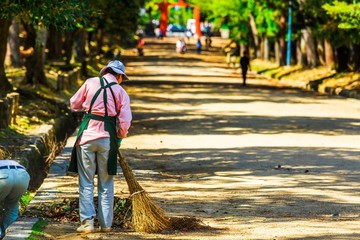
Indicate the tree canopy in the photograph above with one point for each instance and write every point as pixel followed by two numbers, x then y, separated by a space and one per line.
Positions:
pixel 119 18
pixel 347 15
pixel 258 24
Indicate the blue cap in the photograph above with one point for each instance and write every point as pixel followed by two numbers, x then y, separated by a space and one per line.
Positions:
pixel 117 67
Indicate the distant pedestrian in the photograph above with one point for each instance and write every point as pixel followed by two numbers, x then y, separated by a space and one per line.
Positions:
pixel 106 122
pixel 232 51
pixel 188 35
pixel 198 46
pixel 140 47
pixel 208 42
pixel 161 34
pixel 180 46
pixel 14 181
pixel 245 65
pixel 235 53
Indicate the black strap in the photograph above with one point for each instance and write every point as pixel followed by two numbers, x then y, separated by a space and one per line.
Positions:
pixel 112 93
pixel 103 87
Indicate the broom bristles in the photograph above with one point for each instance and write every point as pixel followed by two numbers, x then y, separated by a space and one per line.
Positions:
pixel 147 215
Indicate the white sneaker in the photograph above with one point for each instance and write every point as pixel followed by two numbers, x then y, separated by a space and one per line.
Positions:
pixel 87 226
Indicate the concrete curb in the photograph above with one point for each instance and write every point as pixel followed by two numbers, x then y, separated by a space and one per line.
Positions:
pixel 22 228
pixel 316 86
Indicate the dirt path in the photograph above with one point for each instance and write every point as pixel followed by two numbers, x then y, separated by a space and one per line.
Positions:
pixel 252 162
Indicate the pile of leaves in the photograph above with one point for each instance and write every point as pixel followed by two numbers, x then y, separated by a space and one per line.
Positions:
pixel 187 224
pixel 68 211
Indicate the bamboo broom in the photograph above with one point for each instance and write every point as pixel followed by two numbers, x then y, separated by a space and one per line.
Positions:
pixel 147 215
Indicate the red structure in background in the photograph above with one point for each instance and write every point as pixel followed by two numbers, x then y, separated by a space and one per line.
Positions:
pixel 164 17
pixel 197 20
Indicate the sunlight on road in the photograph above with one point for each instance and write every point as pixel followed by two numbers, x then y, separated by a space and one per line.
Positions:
pixel 256 160
pixel 209 141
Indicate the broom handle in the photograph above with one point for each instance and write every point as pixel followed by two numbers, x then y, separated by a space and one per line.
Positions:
pixel 133 185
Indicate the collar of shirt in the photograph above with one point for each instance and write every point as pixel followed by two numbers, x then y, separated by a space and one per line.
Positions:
pixel 110 78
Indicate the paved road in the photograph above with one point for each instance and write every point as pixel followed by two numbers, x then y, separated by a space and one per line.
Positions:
pixel 266 163
pixel 253 162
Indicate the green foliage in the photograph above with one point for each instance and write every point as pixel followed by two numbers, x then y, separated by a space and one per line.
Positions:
pixel 25 199
pixel 7 9
pixel 10 133
pixel 38 229
pixel 264 18
pixel 347 15
pixel 63 14
pixel 117 17
pixel 179 16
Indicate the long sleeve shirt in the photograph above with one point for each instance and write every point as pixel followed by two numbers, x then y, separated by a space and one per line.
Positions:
pixel 81 102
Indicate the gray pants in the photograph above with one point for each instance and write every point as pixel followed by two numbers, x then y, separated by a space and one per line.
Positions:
pixel 93 156
pixel 13 184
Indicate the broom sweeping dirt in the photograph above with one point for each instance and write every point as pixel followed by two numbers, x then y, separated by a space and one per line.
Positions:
pixel 147 215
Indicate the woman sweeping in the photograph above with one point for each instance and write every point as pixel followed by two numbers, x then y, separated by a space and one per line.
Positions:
pixel 106 121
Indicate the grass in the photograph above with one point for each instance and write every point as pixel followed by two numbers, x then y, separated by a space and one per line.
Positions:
pixel 321 76
pixel 25 200
pixel 38 230
pixel 12 132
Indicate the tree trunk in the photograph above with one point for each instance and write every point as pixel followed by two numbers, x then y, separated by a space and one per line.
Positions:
pixel 321 53
pixel 29 59
pixel 35 63
pixel 81 51
pixel 355 57
pixel 40 55
pixel 14 43
pixel 4 31
pixel 266 49
pixel 261 48
pixel 4 112
pixel 7 54
pixel 282 46
pixel 277 52
pixel 311 55
pixel 243 48
pixel 54 44
pixel 281 39
pixel 329 55
pixel 342 54
pixel 301 51
pixel 100 40
pixel 68 45
pixel 255 36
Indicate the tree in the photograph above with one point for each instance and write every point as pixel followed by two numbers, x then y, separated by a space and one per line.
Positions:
pixel 252 22
pixel 14 43
pixel 36 16
pixel 4 82
pixel 347 37
pixel 118 19
pixel 347 15
pixel 64 15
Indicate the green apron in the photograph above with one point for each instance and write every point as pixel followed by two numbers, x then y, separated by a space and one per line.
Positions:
pixel 110 126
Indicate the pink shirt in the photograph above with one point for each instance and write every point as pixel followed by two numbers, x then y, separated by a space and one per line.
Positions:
pixel 82 100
